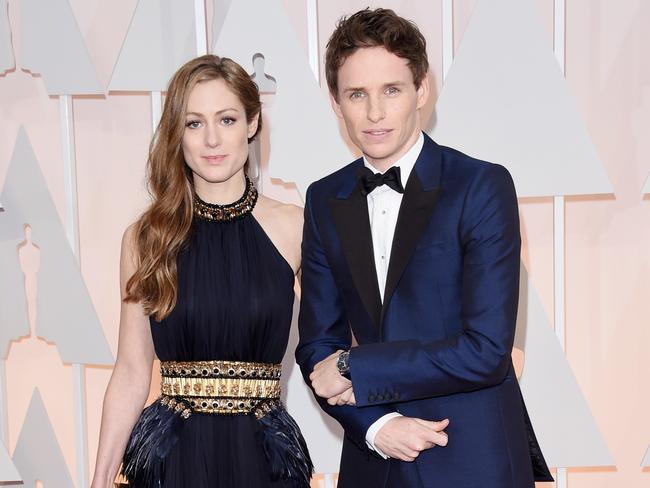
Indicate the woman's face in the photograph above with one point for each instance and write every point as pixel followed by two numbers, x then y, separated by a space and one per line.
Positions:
pixel 215 141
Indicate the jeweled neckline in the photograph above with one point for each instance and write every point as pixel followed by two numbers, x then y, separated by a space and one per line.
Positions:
pixel 231 211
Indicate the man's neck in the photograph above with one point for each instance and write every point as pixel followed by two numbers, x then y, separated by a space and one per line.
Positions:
pixel 382 165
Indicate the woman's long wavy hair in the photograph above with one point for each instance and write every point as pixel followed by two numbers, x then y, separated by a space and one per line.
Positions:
pixel 164 228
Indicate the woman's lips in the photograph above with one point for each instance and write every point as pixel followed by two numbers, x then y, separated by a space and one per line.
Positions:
pixel 215 159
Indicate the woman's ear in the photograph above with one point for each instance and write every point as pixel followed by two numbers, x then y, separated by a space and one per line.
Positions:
pixel 252 125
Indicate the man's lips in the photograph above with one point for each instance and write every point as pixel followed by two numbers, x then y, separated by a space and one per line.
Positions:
pixel 377 132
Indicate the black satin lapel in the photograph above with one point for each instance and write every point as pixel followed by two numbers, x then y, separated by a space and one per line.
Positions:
pixel 413 217
pixel 353 226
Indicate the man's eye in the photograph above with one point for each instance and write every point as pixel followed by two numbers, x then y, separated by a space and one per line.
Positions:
pixel 193 124
pixel 392 90
pixel 356 95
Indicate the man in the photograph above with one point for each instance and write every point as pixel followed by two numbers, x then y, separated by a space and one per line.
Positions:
pixel 413 250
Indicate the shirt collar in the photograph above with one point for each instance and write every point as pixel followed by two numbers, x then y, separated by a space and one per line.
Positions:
pixel 405 163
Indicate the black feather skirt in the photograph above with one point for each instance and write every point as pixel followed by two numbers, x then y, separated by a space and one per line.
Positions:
pixel 155 438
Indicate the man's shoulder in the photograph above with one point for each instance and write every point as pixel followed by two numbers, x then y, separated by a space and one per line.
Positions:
pixel 457 164
pixel 331 184
pixel 461 161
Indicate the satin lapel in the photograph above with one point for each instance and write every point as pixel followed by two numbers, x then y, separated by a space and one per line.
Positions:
pixel 352 223
pixel 414 213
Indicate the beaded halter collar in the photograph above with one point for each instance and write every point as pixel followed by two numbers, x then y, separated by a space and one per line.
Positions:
pixel 231 211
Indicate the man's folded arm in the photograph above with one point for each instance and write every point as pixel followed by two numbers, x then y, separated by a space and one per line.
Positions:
pixel 324 328
pixel 479 356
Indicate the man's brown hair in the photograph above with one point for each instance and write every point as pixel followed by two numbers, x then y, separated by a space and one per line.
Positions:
pixel 375 28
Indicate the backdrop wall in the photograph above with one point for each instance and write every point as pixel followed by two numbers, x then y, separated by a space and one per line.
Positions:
pixel 607 236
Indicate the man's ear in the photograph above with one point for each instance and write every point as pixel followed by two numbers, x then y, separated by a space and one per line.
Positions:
pixel 335 106
pixel 423 92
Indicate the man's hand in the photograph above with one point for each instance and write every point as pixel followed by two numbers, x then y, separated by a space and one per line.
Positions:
pixel 405 438
pixel 345 398
pixel 326 380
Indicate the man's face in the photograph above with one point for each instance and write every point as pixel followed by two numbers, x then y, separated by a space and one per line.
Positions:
pixel 380 104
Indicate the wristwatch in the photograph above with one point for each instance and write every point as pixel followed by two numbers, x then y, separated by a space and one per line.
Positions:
pixel 342 364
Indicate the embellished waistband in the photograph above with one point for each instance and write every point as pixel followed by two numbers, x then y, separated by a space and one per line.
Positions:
pixel 221 387
pixel 216 387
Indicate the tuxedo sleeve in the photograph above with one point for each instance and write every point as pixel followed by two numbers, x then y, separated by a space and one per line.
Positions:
pixel 324 327
pixel 480 355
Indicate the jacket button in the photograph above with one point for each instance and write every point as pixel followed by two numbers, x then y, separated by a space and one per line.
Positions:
pixel 371 398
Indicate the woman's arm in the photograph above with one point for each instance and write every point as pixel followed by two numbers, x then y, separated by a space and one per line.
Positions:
pixel 128 388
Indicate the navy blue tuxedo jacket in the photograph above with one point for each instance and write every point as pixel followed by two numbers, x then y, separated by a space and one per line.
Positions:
pixel 440 344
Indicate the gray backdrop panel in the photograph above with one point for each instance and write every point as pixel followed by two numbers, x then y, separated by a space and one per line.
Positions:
pixel 37 455
pixel 161 37
pixel 65 313
pixel 505 100
pixel 563 422
pixel 8 471
pixel 52 46
pixel 14 322
pixel 6 49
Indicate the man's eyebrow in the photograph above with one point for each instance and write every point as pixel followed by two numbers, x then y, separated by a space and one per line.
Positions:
pixel 385 85
pixel 353 89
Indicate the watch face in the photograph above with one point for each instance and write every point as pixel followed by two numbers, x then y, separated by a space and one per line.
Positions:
pixel 342 362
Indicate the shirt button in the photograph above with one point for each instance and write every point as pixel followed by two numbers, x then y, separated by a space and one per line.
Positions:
pixel 383 212
pixel 383 257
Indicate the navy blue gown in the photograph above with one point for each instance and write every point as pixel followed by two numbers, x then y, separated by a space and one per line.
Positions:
pixel 235 301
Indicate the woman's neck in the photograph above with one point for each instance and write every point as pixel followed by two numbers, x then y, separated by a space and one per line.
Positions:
pixel 221 193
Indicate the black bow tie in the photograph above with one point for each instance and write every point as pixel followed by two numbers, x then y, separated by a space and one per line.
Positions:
pixel 368 180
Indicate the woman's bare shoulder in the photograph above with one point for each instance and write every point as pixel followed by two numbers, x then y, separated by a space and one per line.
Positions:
pixel 129 241
pixel 283 224
pixel 276 213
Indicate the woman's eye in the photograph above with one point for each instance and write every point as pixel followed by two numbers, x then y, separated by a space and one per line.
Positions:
pixel 228 121
pixel 193 124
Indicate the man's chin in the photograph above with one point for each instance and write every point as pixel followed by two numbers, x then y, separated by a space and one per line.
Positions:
pixel 372 154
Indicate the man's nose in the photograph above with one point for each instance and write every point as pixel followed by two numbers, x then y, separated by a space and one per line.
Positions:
pixel 375 110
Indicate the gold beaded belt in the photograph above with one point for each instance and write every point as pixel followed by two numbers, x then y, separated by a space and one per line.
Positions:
pixel 221 387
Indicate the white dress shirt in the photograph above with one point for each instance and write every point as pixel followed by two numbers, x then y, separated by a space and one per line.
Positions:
pixel 383 208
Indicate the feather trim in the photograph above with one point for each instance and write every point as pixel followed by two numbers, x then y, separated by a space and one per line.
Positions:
pixel 284 445
pixel 154 435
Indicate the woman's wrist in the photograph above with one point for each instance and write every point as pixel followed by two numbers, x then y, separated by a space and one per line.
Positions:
pixel 102 479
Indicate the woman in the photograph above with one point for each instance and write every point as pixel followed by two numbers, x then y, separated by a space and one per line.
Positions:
pixel 207 277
